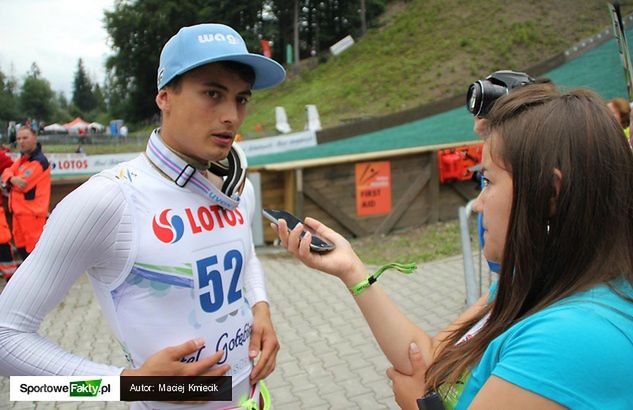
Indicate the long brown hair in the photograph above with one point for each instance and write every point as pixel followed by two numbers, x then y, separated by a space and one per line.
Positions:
pixel 558 242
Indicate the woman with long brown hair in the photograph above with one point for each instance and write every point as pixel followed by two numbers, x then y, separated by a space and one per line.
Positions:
pixel 556 330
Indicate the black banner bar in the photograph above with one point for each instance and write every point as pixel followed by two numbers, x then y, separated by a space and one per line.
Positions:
pixel 176 388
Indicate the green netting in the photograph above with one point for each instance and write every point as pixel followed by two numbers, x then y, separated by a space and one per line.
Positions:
pixel 451 126
pixel 599 69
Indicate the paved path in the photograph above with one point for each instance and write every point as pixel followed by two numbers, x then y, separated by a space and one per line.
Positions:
pixel 328 358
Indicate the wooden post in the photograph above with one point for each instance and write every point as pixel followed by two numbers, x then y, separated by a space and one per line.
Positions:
pixel 434 189
pixel 289 191
pixel 295 37
pixel 299 193
pixel 363 18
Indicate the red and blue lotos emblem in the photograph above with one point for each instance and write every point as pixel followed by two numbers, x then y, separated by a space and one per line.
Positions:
pixel 168 231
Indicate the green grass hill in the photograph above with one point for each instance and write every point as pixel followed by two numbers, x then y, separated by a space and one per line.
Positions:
pixel 424 51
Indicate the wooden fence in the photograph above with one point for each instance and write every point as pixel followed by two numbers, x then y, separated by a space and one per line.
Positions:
pixel 328 193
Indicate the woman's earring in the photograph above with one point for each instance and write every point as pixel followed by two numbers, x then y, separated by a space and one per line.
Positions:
pixel 547 227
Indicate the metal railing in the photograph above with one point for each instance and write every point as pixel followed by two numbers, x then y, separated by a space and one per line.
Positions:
pixel 89 139
pixel 473 280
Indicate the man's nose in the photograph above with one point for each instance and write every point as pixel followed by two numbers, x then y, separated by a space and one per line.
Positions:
pixel 229 114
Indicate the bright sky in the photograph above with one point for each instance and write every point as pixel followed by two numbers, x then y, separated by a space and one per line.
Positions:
pixel 55 34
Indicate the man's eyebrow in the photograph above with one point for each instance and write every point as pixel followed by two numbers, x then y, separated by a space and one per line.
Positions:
pixel 225 88
pixel 217 85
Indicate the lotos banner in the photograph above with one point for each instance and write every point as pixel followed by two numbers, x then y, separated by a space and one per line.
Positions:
pixel 76 165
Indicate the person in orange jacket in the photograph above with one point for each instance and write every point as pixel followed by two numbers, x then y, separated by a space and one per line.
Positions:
pixel 29 183
pixel 7 263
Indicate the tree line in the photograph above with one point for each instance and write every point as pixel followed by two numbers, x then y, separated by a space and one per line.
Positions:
pixel 294 30
pixel 34 98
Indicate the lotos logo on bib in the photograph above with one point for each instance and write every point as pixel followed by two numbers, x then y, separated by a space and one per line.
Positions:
pixel 168 231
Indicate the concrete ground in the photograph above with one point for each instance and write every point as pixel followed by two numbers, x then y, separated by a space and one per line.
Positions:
pixel 328 357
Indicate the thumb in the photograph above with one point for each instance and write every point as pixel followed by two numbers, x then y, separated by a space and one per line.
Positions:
pixel 392 373
pixel 417 361
pixel 181 350
pixel 256 342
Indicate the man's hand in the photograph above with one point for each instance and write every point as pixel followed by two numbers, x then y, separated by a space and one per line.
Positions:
pixel 407 389
pixel 263 343
pixel 167 362
pixel 18 181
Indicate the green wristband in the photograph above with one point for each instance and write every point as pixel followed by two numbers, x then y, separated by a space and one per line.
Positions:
pixel 406 268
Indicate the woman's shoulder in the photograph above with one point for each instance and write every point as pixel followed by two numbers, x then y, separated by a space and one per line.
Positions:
pixel 610 302
pixel 593 318
pixel 570 351
pixel 603 307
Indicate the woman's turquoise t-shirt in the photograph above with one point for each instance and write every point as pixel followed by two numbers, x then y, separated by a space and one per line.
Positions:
pixel 577 352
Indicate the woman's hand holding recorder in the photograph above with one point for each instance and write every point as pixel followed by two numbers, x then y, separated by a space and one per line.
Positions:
pixel 342 261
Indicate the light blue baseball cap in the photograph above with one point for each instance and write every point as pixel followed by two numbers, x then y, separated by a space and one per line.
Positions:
pixel 202 44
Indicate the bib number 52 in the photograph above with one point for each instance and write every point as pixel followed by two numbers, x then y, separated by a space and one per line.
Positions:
pixel 210 276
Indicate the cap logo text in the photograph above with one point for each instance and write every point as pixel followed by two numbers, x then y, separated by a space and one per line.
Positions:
pixel 161 72
pixel 207 38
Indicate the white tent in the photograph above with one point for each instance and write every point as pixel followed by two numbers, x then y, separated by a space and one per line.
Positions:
pixel 55 128
pixel 96 126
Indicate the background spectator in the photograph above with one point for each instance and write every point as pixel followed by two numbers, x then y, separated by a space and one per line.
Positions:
pixel 29 183
pixel 7 263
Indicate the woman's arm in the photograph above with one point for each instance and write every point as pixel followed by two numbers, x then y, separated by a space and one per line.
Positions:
pixel 395 332
pixel 391 328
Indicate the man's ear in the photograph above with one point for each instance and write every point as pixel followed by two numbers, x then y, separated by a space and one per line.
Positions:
pixel 481 127
pixel 163 101
pixel 557 180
